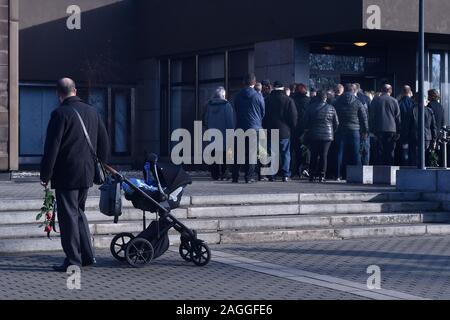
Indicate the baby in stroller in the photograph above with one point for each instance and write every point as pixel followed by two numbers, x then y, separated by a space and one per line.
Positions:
pixel 160 192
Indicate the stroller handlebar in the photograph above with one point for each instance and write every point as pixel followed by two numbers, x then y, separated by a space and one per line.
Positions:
pixel 112 171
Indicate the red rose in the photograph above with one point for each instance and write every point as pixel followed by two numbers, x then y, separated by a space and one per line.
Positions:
pixel 49 215
pixel 48 229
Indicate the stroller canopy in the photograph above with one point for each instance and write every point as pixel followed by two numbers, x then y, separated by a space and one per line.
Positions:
pixel 173 177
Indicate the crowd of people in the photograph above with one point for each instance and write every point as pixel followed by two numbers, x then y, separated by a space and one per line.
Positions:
pixel 322 132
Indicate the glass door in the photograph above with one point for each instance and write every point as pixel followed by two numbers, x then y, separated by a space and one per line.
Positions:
pixel 438 77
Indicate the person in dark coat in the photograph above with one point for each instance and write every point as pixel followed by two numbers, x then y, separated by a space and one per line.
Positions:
pixel 321 123
pixel 68 164
pixel 353 125
pixel 438 109
pixel 333 152
pixel 406 104
pixel 281 114
pixel 385 123
pixel 266 88
pixel 365 141
pixel 412 131
pixel 219 115
pixel 249 107
pixel 301 159
pixel 439 114
pixel 361 95
pixel 338 91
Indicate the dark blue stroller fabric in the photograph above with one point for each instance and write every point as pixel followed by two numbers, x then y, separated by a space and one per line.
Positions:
pixel 173 180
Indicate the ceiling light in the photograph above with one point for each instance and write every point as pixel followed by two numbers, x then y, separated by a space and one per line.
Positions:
pixel 360 44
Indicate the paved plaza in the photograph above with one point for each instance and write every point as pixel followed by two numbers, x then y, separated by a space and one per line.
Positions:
pixel 411 268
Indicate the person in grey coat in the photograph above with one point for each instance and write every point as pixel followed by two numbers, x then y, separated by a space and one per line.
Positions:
pixel 219 115
pixel 385 122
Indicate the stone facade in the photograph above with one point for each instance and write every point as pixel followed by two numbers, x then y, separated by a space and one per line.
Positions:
pixel 4 84
pixel 8 85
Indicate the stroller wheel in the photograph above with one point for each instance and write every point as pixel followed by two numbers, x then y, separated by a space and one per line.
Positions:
pixel 119 244
pixel 139 252
pixel 200 254
pixel 185 251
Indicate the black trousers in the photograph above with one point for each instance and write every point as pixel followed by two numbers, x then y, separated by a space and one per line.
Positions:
pixel 300 159
pixel 250 169
pixel 414 153
pixel 386 148
pixel 219 171
pixel 319 158
pixel 74 227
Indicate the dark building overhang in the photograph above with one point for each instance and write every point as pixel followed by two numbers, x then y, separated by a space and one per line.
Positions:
pixel 102 51
pixel 170 27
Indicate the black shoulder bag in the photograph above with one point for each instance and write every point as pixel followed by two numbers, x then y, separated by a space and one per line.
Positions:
pixel 100 174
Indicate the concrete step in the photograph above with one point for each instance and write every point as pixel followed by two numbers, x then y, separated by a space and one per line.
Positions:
pixel 128 214
pixel 344 233
pixel 42 244
pixel 132 214
pixel 33 230
pixel 311 208
pixel 302 197
pixel 299 221
pixel 243 223
pixel 23 245
pixel 8 205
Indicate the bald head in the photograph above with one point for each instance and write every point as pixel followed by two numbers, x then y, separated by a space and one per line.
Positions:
pixel 387 89
pixel 66 88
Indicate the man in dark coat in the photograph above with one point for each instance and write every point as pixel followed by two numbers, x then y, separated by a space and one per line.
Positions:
pixel 338 91
pixel 439 114
pixel 385 123
pixel 301 159
pixel 406 104
pixel 281 114
pixel 68 164
pixel 438 109
pixel 249 108
pixel 266 88
pixel 412 131
pixel 365 141
pixel 353 125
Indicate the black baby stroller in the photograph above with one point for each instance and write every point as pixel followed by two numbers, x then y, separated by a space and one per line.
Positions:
pixel 153 241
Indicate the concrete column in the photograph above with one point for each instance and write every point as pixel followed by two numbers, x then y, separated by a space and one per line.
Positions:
pixel 148 107
pixel 284 60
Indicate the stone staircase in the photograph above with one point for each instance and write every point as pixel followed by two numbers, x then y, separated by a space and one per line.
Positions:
pixel 228 219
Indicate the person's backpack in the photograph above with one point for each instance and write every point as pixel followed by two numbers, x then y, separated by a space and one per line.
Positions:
pixel 111 198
